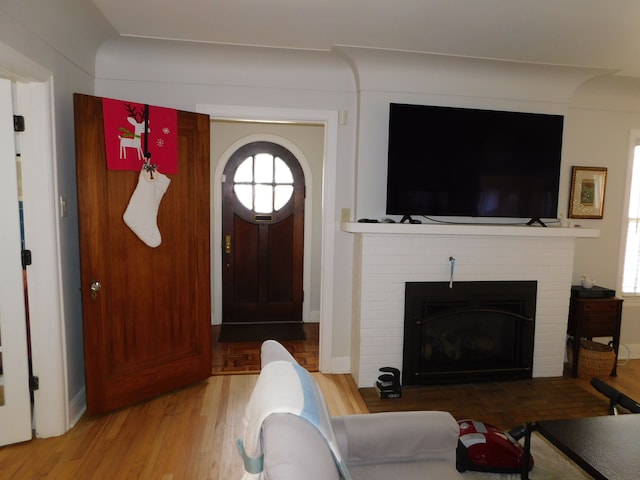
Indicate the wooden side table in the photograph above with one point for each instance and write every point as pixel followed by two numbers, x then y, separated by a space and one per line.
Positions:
pixel 594 317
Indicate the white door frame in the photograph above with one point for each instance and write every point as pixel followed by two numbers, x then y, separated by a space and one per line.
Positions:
pixel 329 118
pixel 39 182
pixel 15 410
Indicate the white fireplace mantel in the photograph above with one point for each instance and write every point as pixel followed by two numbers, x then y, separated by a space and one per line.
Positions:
pixel 387 255
pixel 469 229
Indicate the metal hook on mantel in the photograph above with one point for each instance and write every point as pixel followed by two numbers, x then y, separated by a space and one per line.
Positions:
pixel 452 261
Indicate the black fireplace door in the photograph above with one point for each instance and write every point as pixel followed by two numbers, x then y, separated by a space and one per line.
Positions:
pixel 477 338
pixel 465 344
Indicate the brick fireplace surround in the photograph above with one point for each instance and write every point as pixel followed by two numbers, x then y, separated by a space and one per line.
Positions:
pixel 388 255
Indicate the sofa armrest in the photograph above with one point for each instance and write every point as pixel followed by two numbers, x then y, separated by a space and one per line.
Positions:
pixel 397 437
pixel 272 351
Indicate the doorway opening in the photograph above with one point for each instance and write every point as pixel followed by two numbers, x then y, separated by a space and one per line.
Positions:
pixel 263 193
pixel 320 226
pixel 270 253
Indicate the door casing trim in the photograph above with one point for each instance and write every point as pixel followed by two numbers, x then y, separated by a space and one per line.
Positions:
pixel 53 415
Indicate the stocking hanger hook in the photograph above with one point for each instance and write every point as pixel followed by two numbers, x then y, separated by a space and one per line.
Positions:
pixel 148 166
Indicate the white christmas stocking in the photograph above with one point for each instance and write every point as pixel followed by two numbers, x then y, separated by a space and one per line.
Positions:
pixel 142 212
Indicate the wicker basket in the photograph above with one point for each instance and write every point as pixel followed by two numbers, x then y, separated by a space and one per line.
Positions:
pixel 595 359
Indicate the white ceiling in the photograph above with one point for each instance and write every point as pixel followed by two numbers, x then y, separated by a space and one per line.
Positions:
pixel 595 33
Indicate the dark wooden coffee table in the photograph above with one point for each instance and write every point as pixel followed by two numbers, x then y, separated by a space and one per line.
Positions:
pixel 607 448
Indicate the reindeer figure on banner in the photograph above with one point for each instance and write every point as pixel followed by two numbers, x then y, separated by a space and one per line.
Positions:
pixel 130 139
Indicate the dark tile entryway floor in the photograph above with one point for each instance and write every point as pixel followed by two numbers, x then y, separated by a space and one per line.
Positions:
pixel 244 357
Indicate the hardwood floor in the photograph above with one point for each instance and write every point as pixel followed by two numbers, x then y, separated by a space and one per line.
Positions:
pixel 189 434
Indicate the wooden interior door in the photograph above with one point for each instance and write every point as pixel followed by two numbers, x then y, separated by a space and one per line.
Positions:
pixel 263 248
pixel 148 329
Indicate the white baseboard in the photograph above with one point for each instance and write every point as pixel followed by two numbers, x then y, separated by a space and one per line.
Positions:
pixel 340 365
pixel 77 407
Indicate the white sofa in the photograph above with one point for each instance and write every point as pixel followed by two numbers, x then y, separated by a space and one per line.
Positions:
pixel 400 445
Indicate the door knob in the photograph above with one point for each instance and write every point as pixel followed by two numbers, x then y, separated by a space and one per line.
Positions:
pixel 95 288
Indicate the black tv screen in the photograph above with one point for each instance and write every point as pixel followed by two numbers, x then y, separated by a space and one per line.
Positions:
pixel 446 161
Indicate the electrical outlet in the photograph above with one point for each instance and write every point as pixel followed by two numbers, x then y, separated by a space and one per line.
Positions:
pixel 345 215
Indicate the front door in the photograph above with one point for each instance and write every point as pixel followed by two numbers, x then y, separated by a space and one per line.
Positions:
pixel 262 232
pixel 146 311
pixel 15 404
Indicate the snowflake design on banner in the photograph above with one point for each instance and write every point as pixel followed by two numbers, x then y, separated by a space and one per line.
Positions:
pixel 160 141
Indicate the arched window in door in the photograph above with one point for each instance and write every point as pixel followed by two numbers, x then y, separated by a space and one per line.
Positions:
pixel 263 183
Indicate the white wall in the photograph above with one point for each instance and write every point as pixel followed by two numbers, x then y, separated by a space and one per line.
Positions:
pixel 61 39
pixel 185 76
pixel 600 111
pixel 601 116
pixel 385 77
pixel 362 82
pixel 63 35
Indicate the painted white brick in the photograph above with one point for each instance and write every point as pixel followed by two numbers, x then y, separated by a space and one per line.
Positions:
pixel 388 261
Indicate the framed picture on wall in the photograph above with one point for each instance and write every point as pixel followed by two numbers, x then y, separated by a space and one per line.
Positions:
pixel 587 192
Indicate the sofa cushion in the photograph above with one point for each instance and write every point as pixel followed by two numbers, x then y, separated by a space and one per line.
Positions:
pixel 295 450
pixel 397 437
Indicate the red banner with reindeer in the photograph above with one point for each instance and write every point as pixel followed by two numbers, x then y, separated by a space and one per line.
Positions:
pixel 124 134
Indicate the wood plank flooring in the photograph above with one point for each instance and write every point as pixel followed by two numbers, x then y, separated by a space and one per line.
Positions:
pixel 188 434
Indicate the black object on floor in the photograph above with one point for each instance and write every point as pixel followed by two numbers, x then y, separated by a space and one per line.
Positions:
pixel 615 397
pixel 259 332
pixel 388 384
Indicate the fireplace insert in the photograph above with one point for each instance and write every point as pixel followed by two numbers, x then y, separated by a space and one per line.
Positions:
pixel 468 331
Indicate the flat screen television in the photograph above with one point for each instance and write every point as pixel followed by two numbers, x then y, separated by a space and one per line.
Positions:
pixel 460 162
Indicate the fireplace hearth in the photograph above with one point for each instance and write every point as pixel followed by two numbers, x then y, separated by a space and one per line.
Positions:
pixel 468 331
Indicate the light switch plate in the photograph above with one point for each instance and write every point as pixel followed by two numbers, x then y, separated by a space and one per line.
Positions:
pixel 63 207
